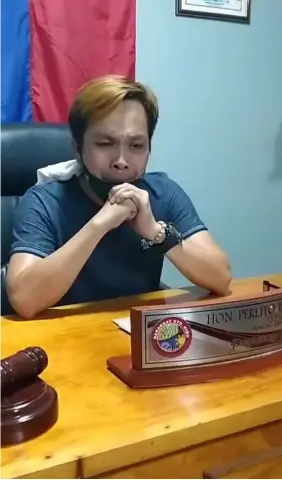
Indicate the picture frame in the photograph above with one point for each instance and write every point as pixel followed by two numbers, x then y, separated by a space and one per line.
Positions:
pixel 229 10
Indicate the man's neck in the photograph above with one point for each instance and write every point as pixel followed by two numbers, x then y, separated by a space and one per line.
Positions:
pixel 88 191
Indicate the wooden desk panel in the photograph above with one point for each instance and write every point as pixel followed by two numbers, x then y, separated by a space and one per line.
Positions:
pixel 103 425
pixel 215 458
pixel 268 469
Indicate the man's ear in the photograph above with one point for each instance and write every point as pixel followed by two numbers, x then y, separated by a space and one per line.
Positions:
pixel 77 153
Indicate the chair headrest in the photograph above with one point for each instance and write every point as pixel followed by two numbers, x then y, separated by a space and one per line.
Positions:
pixel 27 147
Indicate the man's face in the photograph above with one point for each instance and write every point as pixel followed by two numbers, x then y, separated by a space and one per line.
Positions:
pixel 117 148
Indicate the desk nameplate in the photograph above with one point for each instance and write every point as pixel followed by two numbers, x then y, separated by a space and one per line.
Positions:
pixel 198 335
pixel 203 340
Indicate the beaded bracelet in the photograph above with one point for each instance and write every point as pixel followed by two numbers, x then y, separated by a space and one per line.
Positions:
pixel 159 238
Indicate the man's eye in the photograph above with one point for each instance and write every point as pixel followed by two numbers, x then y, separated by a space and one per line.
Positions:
pixel 137 146
pixel 104 144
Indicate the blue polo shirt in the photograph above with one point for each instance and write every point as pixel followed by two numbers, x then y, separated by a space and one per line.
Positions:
pixel 50 214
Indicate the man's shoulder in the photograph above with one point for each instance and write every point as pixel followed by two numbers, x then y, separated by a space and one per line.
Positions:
pixel 56 187
pixel 160 183
pixel 49 200
pixel 52 190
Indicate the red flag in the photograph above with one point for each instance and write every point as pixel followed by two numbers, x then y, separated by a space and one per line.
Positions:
pixel 73 41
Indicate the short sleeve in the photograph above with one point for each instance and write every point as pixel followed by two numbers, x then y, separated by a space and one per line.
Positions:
pixel 33 231
pixel 181 211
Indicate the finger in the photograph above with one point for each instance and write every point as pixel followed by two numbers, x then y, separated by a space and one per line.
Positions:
pixel 115 190
pixel 133 209
pixel 131 204
pixel 128 195
pixel 119 187
pixel 132 215
pixel 113 198
pixel 123 186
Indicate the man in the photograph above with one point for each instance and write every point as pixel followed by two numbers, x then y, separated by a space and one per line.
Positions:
pixel 105 234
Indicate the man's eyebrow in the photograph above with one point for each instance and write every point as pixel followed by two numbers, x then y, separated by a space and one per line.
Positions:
pixel 137 136
pixel 103 135
pixel 108 136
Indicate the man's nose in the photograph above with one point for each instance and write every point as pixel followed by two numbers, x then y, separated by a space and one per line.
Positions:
pixel 120 163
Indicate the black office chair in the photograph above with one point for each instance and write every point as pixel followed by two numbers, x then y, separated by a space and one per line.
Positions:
pixel 24 149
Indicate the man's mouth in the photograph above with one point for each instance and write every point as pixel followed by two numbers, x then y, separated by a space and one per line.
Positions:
pixel 120 178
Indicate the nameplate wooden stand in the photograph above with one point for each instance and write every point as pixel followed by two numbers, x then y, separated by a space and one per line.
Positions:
pixel 204 340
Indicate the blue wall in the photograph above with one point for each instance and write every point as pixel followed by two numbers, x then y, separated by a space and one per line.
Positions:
pixel 220 133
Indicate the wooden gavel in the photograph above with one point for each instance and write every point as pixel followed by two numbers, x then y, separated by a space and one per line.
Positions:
pixel 29 406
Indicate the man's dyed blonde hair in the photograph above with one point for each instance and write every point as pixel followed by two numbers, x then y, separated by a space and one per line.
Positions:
pixel 99 97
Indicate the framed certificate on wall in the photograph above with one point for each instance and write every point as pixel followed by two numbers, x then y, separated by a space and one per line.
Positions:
pixel 232 10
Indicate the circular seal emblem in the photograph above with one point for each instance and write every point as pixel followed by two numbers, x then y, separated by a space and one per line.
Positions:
pixel 171 337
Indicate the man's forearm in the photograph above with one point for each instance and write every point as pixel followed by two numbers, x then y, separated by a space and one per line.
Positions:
pixel 44 282
pixel 203 267
pixel 213 274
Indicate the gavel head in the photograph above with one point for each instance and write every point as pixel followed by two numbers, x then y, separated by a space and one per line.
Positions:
pixel 23 365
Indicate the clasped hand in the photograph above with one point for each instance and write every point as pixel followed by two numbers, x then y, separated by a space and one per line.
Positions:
pixel 144 222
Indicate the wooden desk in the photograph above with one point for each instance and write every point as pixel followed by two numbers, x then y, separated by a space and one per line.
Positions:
pixel 107 430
